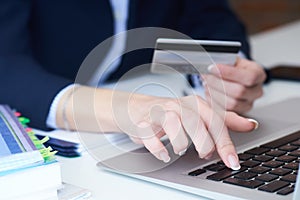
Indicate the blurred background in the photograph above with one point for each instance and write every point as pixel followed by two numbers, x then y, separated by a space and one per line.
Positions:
pixel 262 15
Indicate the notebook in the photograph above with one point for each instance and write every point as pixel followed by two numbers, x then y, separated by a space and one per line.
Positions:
pixel 16 148
pixel 269 159
pixel 28 170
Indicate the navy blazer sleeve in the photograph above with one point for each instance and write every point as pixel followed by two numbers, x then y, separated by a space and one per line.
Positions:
pixel 24 84
pixel 41 41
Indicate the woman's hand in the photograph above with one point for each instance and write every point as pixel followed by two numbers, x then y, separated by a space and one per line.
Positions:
pixel 146 119
pixel 183 118
pixel 239 85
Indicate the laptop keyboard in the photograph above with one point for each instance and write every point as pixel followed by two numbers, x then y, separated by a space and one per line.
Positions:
pixel 271 167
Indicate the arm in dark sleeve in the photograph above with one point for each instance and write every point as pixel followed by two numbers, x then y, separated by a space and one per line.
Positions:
pixel 24 84
pixel 213 19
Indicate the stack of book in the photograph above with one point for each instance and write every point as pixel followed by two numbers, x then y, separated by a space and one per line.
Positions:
pixel 28 170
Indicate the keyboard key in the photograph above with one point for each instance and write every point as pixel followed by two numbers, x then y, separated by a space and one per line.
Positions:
pixel 197 172
pixel 280 171
pixel 292 165
pixel 244 183
pixel 273 186
pixel 245 156
pixel 288 148
pixel 286 158
pixel 296 143
pixel 250 163
pixel 295 153
pixel 215 167
pixel 275 153
pixel 257 151
pixel 245 175
pixel 272 167
pixel 286 191
pixel 221 175
pixel 289 178
pixel 263 158
pixel 266 177
pixel 282 141
pixel 221 162
pixel 259 169
pixel 273 164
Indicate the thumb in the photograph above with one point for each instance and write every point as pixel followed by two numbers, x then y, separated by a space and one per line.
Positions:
pixel 237 123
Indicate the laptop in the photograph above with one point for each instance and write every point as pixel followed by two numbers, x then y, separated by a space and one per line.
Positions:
pixel 269 158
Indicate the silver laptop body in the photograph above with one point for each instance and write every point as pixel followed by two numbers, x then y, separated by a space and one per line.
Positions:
pixel 276 121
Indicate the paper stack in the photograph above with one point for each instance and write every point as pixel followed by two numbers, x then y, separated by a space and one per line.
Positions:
pixel 28 170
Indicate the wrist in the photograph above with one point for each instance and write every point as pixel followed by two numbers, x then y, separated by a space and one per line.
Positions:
pixel 119 110
pixel 87 109
pixel 51 118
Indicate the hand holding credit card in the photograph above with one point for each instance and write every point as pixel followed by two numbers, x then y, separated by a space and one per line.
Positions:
pixel 190 56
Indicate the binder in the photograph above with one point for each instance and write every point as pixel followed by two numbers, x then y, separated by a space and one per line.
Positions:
pixel 28 170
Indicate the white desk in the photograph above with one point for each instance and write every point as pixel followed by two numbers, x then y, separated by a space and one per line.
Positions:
pixel 278 46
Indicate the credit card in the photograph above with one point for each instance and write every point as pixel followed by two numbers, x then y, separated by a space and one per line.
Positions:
pixel 190 56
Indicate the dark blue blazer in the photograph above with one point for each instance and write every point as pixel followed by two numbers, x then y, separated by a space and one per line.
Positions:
pixel 43 42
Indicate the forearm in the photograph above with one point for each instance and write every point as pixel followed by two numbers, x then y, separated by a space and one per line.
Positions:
pixel 90 109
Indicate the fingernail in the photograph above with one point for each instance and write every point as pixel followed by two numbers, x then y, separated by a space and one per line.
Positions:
pixel 234 163
pixel 210 67
pixel 181 153
pixel 164 157
pixel 254 122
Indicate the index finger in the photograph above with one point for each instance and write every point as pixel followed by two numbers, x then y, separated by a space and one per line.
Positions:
pixel 223 142
pixel 217 130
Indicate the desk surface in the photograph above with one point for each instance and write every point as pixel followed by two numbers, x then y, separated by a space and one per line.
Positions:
pixel 277 46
